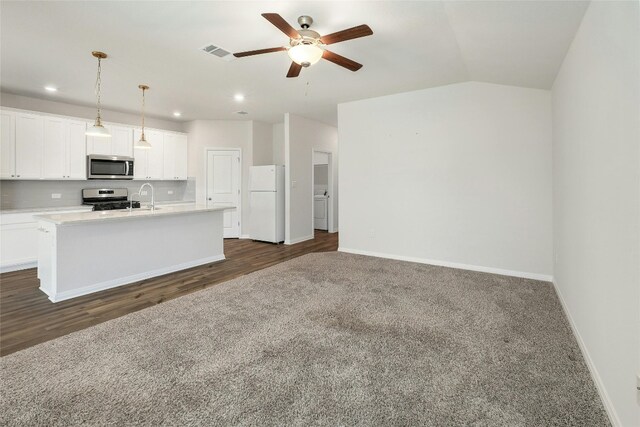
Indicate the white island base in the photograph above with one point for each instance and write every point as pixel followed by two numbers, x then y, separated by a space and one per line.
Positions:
pixel 82 253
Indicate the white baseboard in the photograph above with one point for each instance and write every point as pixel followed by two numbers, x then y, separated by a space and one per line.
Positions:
pixel 502 272
pixel 595 375
pixel 19 266
pixel 298 240
pixel 244 236
pixel 129 279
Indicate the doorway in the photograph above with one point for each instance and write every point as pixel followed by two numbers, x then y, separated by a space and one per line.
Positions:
pixel 322 191
pixel 223 170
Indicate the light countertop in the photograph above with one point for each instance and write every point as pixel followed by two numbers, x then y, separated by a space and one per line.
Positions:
pixel 124 214
pixel 34 210
pixel 83 207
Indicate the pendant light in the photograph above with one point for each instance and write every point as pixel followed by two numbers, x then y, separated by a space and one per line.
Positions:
pixel 97 129
pixel 143 142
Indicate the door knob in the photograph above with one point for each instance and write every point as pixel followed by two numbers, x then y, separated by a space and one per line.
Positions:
pixel 209 198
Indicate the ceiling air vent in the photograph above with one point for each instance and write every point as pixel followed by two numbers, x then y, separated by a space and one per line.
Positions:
pixel 217 51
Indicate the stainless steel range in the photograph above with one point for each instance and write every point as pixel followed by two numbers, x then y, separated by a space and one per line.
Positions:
pixel 104 199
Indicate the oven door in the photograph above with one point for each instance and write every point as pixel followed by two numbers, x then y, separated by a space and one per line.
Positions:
pixel 109 167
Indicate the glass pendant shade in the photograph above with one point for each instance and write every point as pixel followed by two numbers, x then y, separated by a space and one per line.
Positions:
pixel 305 54
pixel 142 143
pixel 98 130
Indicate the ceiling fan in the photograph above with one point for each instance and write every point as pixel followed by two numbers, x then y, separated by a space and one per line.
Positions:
pixel 307 46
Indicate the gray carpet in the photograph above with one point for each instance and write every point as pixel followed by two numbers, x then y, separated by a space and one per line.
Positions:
pixel 325 339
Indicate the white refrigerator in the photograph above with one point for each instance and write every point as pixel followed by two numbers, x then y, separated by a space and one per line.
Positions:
pixel 266 203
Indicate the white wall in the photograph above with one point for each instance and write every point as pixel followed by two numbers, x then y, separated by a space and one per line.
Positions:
pixel 262 139
pixel 278 144
pixel 457 175
pixel 220 134
pixel 82 111
pixel 596 173
pixel 302 136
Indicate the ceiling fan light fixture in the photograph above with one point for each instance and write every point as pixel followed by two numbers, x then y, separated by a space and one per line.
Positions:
pixel 305 54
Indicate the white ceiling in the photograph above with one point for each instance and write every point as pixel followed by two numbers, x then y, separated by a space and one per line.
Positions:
pixel 415 45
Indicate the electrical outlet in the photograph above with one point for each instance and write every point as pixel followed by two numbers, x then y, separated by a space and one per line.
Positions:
pixel 294 184
pixel 56 195
pixel 143 193
pixel 372 232
pixel 170 192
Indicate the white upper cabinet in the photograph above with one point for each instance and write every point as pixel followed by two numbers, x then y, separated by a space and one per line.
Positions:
pixel 64 149
pixel 181 157
pixel 7 145
pixel 54 148
pixel 29 145
pixel 156 154
pixel 44 146
pixel 98 145
pixel 149 163
pixel 175 156
pixel 120 143
pixel 76 154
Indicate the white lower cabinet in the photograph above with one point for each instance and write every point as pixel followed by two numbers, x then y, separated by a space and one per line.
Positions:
pixel 19 239
pixel 18 242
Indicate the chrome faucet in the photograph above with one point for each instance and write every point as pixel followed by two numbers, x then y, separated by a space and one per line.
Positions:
pixel 153 205
pixel 131 201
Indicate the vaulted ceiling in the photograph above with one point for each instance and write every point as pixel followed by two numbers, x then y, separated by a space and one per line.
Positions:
pixel 415 45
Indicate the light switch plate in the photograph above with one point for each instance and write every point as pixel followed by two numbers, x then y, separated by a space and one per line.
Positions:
pixel 170 192
pixel 56 195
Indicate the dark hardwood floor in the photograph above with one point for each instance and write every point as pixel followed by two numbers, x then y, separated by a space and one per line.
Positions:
pixel 28 318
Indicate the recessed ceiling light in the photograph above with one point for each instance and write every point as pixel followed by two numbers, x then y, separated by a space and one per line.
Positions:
pixel 238 97
pixel 177 113
pixel 51 88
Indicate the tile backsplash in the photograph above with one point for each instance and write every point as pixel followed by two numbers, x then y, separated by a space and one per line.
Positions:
pixel 40 194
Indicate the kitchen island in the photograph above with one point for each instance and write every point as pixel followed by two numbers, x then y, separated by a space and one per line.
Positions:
pixel 86 252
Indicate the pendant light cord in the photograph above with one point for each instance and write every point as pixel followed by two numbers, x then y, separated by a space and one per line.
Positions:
pixel 143 113
pixel 98 90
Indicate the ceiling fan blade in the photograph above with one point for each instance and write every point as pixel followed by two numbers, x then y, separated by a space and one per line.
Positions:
pixel 282 25
pixel 341 61
pixel 258 52
pixel 294 70
pixel 348 34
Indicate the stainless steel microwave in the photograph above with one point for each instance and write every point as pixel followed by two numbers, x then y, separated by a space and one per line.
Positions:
pixel 109 167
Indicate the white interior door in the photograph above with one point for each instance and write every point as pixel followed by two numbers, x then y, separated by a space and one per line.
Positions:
pixel 223 186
